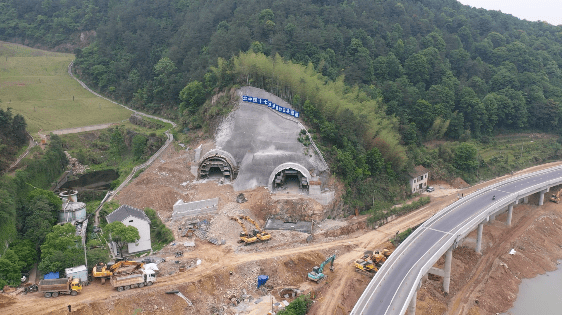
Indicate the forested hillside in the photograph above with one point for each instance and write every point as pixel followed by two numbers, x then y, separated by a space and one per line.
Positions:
pixel 477 70
pixel 422 70
pixel 12 136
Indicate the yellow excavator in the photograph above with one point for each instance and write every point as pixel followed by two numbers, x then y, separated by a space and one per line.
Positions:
pixel 245 237
pixel 260 234
pixel 556 197
pixel 104 271
pixel 370 263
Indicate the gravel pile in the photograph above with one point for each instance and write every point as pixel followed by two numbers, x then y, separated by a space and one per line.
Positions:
pixel 224 228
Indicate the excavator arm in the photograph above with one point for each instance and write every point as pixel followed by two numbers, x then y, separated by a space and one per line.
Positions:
pixel 327 261
pixel 241 224
pixel 261 234
pixel 245 237
pixel 245 217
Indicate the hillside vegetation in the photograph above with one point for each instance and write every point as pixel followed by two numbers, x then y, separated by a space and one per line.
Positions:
pixel 375 79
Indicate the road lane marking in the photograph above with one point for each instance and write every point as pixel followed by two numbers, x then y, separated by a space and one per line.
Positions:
pixel 439 231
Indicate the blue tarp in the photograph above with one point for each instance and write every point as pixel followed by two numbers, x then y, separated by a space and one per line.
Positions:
pixel 51 275
pixel 262 279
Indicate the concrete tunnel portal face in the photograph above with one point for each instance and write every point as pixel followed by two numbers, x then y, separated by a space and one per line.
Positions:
pixel 289 176
pixel 217 164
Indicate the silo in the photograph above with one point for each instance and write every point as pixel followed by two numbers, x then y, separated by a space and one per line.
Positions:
pixel 72 210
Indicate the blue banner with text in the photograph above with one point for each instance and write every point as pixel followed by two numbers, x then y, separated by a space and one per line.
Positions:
pixel 265 101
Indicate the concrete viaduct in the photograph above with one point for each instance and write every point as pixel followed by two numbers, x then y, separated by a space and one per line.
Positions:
pixel 394 288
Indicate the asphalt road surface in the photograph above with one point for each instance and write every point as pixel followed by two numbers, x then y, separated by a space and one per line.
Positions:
pixel 388 291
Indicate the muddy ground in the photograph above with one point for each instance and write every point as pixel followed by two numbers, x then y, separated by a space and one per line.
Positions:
pixel 480 284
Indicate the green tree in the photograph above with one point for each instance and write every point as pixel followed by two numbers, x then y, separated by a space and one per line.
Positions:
pixel 97 255
pixel 117 144
pixel 159 233
pixel 121 234
pixel 139 145
pixel 26 252
pixel 10 272
pixel 61 249
pixel 41 218
pixel 7 206
pixel 466 157
pixel 417 68
pixel 298 307
pixel 192 96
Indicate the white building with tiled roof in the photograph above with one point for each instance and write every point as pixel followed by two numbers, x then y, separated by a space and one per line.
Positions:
pixel 418 179
pixel 131 216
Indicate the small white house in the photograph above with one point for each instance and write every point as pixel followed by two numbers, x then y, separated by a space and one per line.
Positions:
pixel 131 216
pixel 418 179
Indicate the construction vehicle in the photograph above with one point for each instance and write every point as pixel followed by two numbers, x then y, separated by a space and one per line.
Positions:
pixel 104 271
pixel 260 234
pixel 556 197
pixel 245 237
pixel 54 287
pixel 137 279
pixel 366 267
pixel 370 263
pixel 317 272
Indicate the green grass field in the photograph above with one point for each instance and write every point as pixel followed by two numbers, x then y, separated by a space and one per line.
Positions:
pixel 35 84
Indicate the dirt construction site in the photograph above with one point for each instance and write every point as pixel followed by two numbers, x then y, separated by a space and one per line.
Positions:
pixel 221 277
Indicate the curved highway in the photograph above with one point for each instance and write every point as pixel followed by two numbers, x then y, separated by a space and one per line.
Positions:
pixel 392 288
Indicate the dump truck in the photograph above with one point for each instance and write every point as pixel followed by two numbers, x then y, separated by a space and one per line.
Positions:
pixel 137 279
pixel 54 287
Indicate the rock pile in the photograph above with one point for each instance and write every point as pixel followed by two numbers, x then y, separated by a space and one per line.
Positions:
pixel 74 165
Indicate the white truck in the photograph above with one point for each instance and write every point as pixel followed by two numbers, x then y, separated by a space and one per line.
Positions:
pixel 134 280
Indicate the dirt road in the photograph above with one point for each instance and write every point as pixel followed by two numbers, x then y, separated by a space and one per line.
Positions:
pixel 210 284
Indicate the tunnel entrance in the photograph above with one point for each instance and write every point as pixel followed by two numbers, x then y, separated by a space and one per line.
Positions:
pixel 217 164
pixel 290 180
pixel 216 172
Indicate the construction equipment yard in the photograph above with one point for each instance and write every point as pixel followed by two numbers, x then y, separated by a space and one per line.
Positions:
pixel 215 274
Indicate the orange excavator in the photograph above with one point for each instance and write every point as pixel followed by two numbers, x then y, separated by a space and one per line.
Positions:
pixel 245 237
pixel 104 271
pixel 370 263
pixel 260 234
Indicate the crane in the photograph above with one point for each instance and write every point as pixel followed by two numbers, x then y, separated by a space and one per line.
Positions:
pixel 317 272
pixel 245 237
pixel 260 234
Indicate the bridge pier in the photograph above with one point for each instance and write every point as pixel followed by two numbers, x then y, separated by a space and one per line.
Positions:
pixel 447 269
pixel 541 196
pixel 509 214
pixel 479 238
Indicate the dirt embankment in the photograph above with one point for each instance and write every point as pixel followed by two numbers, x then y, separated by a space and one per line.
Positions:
pixel 488 284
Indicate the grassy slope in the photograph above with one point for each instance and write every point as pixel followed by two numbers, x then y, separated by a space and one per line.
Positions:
pixel 35 84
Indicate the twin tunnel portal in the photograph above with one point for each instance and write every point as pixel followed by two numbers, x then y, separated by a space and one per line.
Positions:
pixel 220 164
